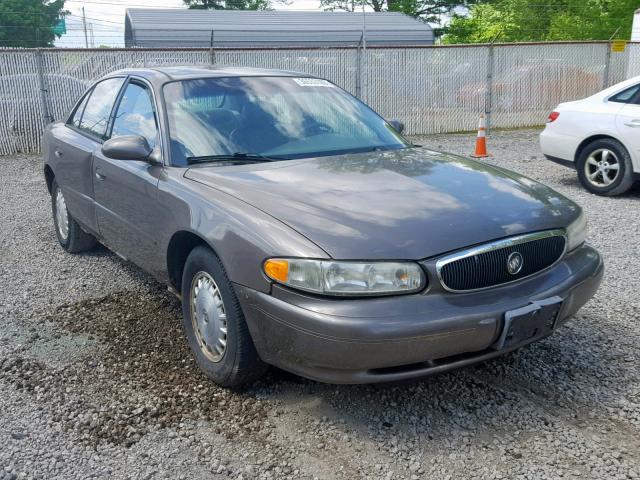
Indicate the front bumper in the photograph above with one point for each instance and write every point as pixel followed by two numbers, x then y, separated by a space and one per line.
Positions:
pixel 396 338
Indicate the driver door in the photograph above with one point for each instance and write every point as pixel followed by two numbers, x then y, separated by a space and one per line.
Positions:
pixel 126 191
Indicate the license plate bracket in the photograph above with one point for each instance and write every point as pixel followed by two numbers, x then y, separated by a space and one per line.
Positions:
pixel 534 320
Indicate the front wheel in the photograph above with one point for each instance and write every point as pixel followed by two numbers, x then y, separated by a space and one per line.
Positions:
pixel 214 323
pixel 604 168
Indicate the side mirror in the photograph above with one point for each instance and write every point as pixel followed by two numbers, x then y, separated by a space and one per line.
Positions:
pixel 397 125
pixel 127 147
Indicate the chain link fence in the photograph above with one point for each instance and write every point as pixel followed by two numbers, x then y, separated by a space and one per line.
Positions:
pixel 432 89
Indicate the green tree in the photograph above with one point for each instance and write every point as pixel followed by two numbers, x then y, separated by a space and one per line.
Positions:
pixel 229 4
pixel 351 5
pixel 431 11
pixel 535 20
pixel 29 23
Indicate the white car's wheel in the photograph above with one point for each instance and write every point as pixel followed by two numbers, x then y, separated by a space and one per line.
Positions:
pixel 604 167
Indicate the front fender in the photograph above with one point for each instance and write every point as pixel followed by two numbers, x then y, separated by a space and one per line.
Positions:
pixel 241 235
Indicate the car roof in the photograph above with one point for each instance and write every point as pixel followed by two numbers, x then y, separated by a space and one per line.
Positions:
pixel 185 72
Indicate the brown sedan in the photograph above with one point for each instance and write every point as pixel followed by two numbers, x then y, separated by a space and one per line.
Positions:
pixel 302 230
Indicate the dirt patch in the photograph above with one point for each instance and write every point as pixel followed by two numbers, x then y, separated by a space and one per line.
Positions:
pixel 142 377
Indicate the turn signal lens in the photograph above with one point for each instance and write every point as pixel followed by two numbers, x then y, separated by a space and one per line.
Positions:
pixel 277 269
pixel 553 116
pixel 327 277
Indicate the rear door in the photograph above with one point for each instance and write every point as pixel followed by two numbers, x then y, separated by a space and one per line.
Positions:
pixel 72 145
pixel 628 123
pixel 126 191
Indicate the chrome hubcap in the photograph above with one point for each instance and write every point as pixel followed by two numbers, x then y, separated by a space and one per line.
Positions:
pixel 62 216
pixel 602 167
pixel 208 316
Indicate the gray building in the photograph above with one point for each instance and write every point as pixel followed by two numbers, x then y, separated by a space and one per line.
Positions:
pixel 180 28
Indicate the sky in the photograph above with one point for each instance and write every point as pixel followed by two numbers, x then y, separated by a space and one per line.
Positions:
pixel 105 19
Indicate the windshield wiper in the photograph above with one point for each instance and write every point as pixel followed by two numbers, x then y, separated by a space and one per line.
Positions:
pixel 373 149
pixel 232 157
pixel 386 149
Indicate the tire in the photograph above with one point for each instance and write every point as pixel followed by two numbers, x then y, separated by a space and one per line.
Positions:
pixel 210 306
pixel 606 154
pixel 70 235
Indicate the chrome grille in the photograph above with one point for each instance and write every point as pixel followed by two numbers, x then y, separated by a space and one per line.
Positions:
pixel 487 265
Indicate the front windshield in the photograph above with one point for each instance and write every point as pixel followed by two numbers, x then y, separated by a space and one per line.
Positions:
pixel 277 117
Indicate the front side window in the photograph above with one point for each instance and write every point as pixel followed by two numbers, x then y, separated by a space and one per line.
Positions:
pixel 627 96
pixel 135 114
pixel 95 117
pixel 279 117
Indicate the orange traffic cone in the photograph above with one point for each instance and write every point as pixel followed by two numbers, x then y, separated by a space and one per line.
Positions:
pixel 481 140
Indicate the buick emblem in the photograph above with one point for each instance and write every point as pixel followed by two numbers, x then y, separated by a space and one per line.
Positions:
pixel 514 263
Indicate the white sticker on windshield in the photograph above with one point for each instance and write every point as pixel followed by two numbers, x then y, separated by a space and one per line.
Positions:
pixel 312 82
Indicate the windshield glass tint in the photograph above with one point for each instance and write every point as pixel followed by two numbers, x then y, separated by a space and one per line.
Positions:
pixel 280 117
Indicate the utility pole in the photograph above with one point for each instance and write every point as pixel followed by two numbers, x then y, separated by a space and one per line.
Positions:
pixel 84 26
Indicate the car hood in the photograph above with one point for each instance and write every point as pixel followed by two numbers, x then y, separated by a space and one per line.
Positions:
pixel 404 204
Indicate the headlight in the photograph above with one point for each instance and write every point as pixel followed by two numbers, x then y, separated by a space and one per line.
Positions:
pixel 327 277
pixel 577 232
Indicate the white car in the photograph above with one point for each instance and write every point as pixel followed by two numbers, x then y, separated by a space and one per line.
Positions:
pixel 599 136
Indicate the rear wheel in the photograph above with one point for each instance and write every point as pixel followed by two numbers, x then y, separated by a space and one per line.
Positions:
pixel 214 323
pixel 604 167
pixel 70 235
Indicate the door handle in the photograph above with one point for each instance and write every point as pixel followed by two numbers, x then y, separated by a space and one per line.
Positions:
pixel 99 175
pixel 57 152
pixel 635 123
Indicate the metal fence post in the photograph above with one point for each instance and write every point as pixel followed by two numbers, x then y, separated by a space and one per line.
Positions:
pixel 606 76
pixel 363 77
pixel 42 86
pixel 212 52
pixel 488 102
pixel 607 66
pixel 359 67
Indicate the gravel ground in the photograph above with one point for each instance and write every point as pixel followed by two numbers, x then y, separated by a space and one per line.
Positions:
pixel 96 380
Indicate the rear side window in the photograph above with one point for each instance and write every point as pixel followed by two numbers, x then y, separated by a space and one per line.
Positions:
pixel 630 95
pixel 97 111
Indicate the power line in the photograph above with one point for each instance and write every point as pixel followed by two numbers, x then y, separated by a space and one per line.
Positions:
pixel 97 19
pixel 97 2
pixel 72 27
pixel 60 16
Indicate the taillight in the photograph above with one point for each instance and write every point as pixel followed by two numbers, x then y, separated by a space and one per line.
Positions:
pixel 553 116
